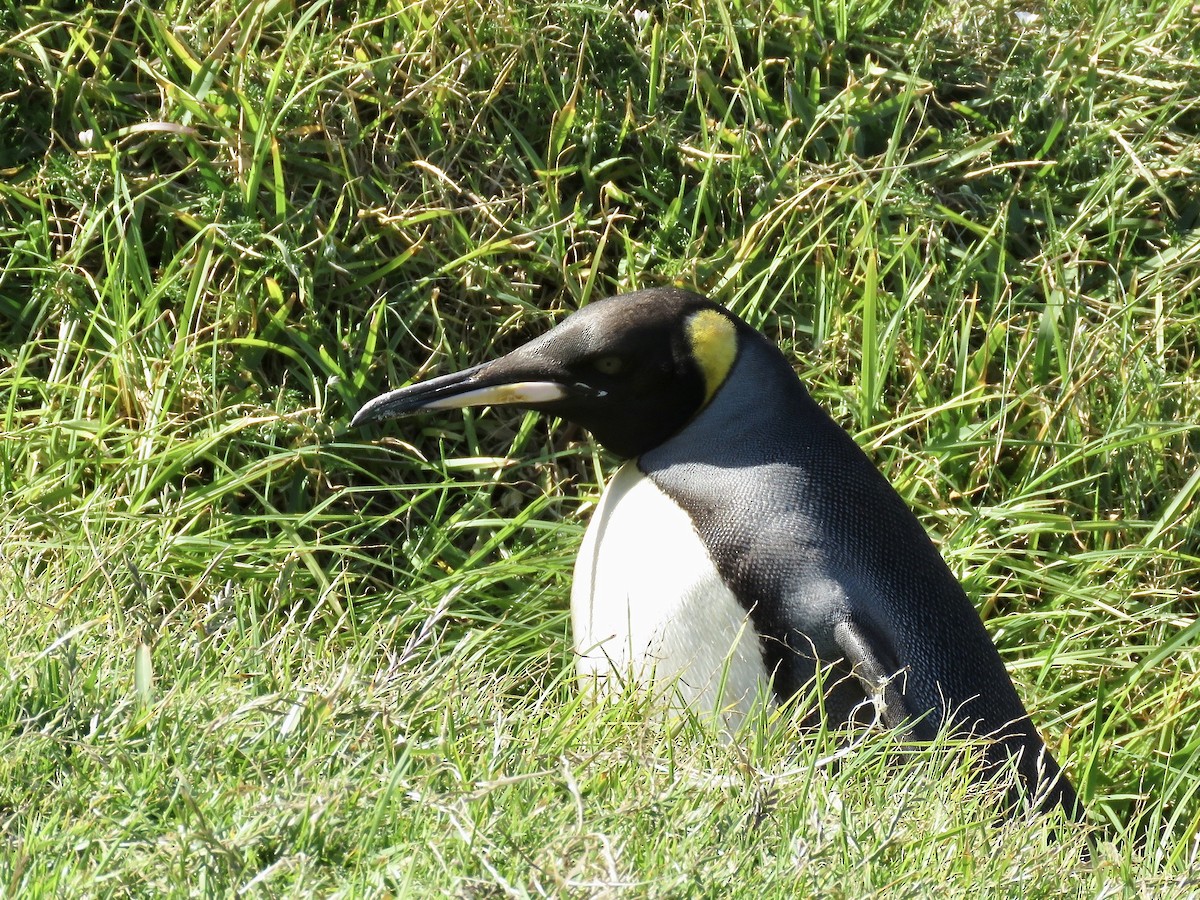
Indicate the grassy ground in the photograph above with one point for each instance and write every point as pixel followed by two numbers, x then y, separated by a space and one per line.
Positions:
pixel 246 650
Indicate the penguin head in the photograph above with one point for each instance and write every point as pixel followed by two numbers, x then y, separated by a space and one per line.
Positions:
pixel 632 369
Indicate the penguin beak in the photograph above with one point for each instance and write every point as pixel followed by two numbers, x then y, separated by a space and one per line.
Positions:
pixel 502 382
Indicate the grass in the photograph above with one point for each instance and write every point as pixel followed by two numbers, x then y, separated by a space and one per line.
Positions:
pixel 245 650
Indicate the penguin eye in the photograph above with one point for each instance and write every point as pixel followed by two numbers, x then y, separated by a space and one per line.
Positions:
pixel 608 365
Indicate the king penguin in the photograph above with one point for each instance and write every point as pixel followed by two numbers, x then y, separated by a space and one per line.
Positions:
pixel 748 547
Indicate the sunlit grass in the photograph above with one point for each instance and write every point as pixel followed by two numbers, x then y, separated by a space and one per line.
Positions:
pixel 247 649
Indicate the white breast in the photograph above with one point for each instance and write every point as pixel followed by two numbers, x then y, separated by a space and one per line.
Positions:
pixel 649 608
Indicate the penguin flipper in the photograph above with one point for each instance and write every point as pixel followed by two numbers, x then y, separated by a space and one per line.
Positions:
pixel 879 673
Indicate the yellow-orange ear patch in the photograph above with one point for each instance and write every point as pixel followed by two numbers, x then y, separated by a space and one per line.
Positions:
pixel 714 347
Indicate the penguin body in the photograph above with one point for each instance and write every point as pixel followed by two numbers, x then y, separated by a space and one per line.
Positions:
pixel 649 608
pixel 748 546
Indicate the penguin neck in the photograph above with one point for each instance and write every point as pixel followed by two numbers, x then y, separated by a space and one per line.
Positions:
pixel 752 415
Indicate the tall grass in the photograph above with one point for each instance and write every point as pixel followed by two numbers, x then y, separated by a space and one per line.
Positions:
pixel 245 649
